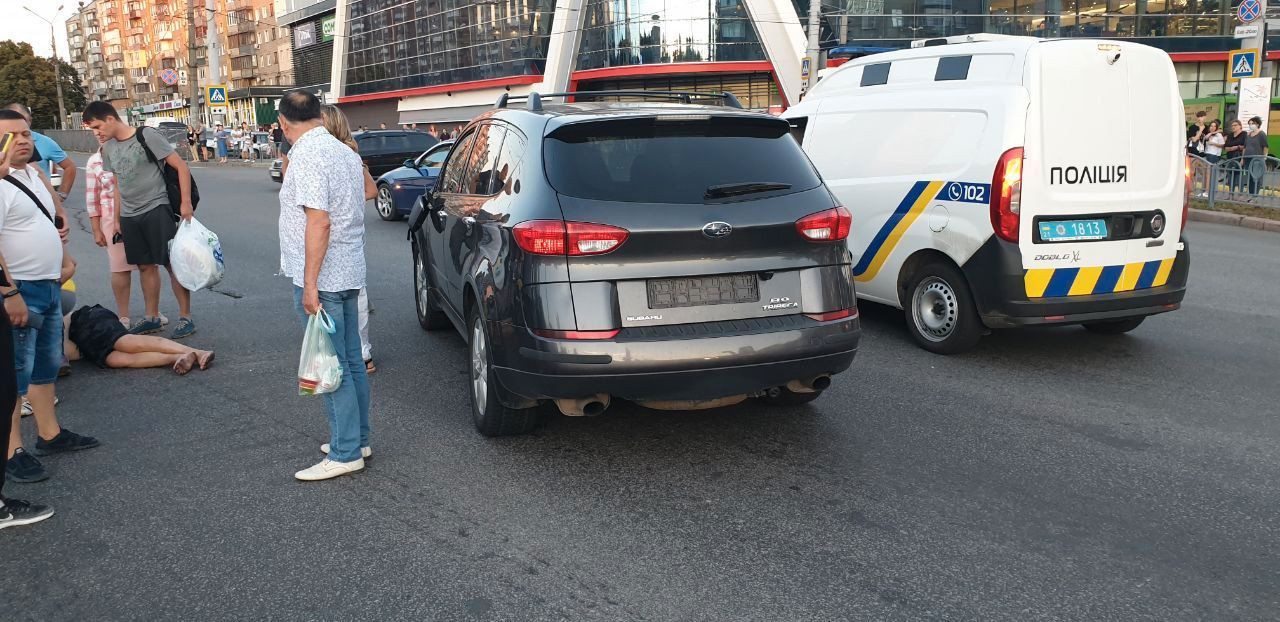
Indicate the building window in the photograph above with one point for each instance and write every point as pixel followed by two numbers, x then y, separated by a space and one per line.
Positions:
pixel 640 32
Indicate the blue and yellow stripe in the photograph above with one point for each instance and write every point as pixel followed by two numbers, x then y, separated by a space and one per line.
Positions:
pixel 1058 282
pixel 886 239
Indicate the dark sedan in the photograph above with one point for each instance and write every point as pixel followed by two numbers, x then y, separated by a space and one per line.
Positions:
pixel 384 150
pixel 398 189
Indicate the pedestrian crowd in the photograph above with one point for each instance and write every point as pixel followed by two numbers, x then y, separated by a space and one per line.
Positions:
pixel 137 192
pixel 1240 152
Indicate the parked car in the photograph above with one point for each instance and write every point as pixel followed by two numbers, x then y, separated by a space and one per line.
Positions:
pixel 966 236
pixel 277 170
pixel 399 188
pixel 679 256
pixel 384 150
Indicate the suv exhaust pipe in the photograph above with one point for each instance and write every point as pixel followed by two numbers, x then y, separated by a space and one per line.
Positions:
pixel 584 407
pixel 817 383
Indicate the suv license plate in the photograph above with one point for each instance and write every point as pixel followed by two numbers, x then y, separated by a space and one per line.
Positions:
pixel 703 290
pixel 1069 230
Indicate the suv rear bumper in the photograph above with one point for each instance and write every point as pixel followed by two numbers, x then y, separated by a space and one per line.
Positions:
pixel 713 363
pixel 996 277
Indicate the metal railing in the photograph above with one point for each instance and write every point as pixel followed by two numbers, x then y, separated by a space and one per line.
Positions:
pixel 1251 180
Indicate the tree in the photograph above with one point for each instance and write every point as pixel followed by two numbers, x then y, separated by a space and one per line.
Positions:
pixel 28 79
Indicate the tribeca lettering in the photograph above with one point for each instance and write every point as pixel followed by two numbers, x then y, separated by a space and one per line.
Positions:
pixel 1113 174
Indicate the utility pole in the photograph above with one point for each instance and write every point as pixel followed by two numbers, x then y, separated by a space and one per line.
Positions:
pixel 193 99
pixel 811 55
pixel 57 65
pixel 212 55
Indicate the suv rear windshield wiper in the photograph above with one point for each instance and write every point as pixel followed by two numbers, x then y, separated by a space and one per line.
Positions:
pixel 751 187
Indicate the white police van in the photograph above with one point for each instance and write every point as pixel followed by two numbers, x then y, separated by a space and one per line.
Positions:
pixel 1002 181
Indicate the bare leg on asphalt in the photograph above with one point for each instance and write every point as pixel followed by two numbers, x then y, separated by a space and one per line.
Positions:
pixel 145 345
pixel 182 294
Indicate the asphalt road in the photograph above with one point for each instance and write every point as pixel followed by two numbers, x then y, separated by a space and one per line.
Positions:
pixel 1051 474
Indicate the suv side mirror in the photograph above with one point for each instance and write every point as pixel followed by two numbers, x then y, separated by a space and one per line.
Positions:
pixel 410 164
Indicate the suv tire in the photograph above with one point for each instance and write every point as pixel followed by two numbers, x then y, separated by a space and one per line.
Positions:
pixel 941 316
pixel 385 204
pixel 430 315
pixel 1114 327
pixel 491 417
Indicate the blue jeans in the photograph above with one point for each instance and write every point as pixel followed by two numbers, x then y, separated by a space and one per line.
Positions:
pixel 37 347
pixel 348 407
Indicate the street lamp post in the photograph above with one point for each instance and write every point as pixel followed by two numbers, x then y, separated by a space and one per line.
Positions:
pixel 57 65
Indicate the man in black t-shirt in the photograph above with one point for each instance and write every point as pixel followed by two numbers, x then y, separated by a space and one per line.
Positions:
pixel 1195 135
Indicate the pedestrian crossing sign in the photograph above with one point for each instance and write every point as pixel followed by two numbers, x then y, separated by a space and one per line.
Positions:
pixel 215 96
pixel 1244 63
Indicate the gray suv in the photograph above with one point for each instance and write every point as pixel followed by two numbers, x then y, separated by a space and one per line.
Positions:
pixel 677 255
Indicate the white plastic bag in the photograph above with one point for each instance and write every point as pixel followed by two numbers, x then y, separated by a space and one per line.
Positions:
pixel 195 256
pixel 319 370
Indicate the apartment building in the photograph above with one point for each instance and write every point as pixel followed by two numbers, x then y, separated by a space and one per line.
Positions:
pixel 123 50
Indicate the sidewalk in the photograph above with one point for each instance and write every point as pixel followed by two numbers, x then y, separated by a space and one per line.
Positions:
pixel 1235 220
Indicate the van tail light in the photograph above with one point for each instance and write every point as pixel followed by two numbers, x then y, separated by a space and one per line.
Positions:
pixel 1186 191
pixel 555 237
pixel 826 226
pixel 1006 195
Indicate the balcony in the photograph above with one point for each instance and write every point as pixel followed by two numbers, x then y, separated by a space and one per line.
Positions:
pixel 244 50
pixel 241 74
pixel 119 94
pixel 243 27
pixel 164 35
pixel 115 57
pixel 140 79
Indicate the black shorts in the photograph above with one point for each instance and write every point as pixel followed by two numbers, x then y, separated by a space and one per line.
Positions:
pixel 95 331
pixel 146 237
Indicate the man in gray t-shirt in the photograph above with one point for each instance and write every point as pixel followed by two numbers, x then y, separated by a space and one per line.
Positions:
pixel 146 221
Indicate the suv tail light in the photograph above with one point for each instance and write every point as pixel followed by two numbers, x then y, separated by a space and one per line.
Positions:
pixel 826 226
pixel 1186 190
pixel 554 237
pixel 1006 195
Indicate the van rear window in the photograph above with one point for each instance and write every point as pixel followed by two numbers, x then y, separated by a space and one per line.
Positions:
pixel 952 68
pixel 675 159
pixel 874 75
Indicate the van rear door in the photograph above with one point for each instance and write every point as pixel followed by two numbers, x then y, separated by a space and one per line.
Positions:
pixel 1102 159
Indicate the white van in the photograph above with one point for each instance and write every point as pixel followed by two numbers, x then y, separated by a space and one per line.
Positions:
pixel 1007 181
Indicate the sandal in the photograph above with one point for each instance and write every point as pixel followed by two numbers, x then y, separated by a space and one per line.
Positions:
pixel 369 367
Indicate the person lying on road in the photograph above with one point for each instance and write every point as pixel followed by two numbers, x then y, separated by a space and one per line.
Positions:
pixel 96 334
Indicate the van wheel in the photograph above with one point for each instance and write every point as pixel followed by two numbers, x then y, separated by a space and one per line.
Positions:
pixel 940 312
pixel 1115 327
pixel 430 315
pixel 782 396
pixel 491 417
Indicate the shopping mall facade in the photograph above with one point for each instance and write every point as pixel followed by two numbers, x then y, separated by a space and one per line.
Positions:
pixel 443 61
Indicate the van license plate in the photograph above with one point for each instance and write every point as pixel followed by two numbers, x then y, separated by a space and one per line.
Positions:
pixel 703 290
pixel 1068 230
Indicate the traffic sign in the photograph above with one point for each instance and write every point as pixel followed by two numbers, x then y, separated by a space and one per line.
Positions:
pixel 169 76
pixel 1246 31
pixel 215 96
pixel 1243 64
pixel 1249 10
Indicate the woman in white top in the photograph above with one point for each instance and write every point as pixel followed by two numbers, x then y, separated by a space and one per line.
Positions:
pixel 1214 141
pixel 237 142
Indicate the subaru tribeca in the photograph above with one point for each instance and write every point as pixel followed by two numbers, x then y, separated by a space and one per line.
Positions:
pixel 680 256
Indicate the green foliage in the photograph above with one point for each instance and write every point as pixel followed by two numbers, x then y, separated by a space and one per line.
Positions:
pixel 28 79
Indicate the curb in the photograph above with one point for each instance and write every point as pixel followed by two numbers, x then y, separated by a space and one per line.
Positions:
pixel 1235 220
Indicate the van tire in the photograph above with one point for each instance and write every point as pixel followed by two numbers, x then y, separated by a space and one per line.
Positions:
pixel 490 416
pixel 939 308
pixel 1114 327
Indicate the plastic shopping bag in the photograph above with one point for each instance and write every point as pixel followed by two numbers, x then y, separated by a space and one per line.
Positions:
pixel 195 256
pixel 319 370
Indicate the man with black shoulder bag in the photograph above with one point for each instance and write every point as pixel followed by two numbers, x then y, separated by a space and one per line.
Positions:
pixel 154 192
pixel 35 265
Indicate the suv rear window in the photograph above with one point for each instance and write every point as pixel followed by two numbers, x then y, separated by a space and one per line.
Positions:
pixel 675 158
pixel 411 142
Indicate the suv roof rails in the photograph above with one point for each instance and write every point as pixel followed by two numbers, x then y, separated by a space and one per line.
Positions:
pixel 534 99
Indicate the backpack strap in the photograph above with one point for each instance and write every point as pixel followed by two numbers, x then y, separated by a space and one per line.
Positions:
pixel 30 195
pixel 142 140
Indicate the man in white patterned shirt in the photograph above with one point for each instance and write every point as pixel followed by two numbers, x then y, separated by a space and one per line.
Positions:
pixel 322 250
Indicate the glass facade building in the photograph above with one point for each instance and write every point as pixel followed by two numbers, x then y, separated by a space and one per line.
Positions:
pixel 405 44
pixel 618 33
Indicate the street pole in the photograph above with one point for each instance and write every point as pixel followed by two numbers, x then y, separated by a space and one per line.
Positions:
pixel 57 76
pixel 212 56
pixel 193 99
pixel 815 17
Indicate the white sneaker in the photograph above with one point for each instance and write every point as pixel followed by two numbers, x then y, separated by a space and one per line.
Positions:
pixel 365 452
pixel 328 469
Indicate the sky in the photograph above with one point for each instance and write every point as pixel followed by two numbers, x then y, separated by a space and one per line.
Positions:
pixel 18 25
